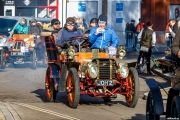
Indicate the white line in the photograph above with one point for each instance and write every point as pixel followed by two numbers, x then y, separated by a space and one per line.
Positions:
pixel 47 111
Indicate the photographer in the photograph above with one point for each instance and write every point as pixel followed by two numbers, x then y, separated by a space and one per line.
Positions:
pixel 102 36
pixel 172 28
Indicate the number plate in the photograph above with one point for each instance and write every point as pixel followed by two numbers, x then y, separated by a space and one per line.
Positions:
pixel 104 82
pixel 17 53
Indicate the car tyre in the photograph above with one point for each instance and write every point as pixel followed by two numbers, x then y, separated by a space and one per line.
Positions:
pixel 34 60
pixel 175 107
pixel 3 59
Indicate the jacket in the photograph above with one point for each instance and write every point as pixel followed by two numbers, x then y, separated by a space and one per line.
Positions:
pixel 147 37
pixel 35 30
pixel 21 29
pixel 103 40
pixel 176 43
pixel 64 35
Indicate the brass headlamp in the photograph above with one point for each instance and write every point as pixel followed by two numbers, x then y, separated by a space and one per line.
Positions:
pixel 71 52
pixel 121 52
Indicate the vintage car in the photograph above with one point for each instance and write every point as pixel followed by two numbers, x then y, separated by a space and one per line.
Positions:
pixel 95 73
pixel 7 25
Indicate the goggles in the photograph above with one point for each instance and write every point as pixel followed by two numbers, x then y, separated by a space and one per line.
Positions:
pixel 33 22
pixel 70 24
pixel 57 23
pixel 101 22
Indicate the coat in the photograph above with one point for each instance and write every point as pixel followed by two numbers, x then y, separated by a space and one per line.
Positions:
pixel 103 40
pixel 175 47
pixel 35 30
pixel 21 29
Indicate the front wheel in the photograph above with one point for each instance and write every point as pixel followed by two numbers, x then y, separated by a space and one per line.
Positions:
pixel 74 88
pixel 133 81
pixel 3 59
pixel 49 87
pixel 175 107
pixel 150 112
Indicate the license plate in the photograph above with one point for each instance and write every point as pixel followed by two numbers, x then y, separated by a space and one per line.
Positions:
pixel 17 54
pixel 104 83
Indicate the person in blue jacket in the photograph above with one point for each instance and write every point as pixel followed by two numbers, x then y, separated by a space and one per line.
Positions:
pixel 103 36
pixel 22 27
pixel 69 31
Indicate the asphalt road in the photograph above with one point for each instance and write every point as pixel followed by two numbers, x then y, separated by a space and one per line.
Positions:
pixel 22 93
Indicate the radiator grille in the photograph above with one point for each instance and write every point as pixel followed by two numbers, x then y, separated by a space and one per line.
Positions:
pixel 106 69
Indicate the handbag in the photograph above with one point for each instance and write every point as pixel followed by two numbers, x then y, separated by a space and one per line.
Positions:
pixel 144 49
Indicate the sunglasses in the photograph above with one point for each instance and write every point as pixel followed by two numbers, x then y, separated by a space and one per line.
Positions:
pixel 70 24
pixel 56 23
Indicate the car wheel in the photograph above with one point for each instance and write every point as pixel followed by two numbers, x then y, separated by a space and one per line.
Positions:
pixel 74 89
pixel 150 114
pixel 133 96
pixel 175 107
pixel 3 59
pixel 107 99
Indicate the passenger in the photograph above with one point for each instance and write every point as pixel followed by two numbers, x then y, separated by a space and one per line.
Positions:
pixel 102 36
pixel 93 23
pixel 22 27
pixel 82 25
pixel 69 31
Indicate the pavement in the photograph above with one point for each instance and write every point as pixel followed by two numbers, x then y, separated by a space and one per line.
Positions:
pixel 6 111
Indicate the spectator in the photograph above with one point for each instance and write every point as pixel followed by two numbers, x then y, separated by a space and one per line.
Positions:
pixel 102 36
pixel 93 23
pixel 131 34
pixel 147 39
pixel 126 34
pixel 22 27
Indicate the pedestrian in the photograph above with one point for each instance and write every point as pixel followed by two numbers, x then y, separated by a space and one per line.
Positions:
pixel 131 35
pixel 147 40
pixel 22 27
pixel 172 29
pixel 126 34
pixel 102 36
pixel 93 23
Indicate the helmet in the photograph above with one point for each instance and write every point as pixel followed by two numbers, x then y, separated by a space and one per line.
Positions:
pixel 94 20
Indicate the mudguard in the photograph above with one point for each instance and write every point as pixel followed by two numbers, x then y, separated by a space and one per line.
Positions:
pixel 172 92
pixel 156 96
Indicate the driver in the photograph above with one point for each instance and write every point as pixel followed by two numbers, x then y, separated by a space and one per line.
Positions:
pixel 69 31
pixel 102 36
pixel 22 27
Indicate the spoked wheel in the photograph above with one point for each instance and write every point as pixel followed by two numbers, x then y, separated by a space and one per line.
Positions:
pixel 133 96
pixel 49 87
pixel 175 107
pixel 150 115
pixel 3 59
pixel 34 60
pixel 73 88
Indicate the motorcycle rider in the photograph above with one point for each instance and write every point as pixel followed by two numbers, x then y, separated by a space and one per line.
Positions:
pixel 147 38
pixel 102 36
pixel 22 27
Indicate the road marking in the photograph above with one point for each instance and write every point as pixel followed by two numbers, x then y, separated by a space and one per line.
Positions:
pixel 47 111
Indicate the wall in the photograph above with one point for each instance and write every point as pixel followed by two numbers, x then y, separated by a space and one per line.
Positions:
pixel 1 8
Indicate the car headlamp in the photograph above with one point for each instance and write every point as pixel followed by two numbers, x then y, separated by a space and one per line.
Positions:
pixel 121 52
pixel 71 53
pixel 92 70
pixel 123 70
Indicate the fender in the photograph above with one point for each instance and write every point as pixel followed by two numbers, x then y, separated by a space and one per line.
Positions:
pixel 172 92
pixel 55 74
pixel 156 96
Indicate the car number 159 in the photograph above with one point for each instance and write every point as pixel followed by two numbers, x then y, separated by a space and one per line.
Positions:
pixel 104 83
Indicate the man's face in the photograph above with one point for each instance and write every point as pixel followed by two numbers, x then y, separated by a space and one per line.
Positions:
pixel 92 24
pixel 33 23
pixel 56 25
pixel 80 20
pixel 172 23
pixel 102 24
pixel 70 26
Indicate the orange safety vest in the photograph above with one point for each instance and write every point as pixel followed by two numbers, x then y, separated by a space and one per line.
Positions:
pixel 139 26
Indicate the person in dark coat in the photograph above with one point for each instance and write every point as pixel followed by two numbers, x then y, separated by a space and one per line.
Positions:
pixel 69 31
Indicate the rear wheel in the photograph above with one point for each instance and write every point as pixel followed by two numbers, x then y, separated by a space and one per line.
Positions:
pixel 51 93
pixel 150 114
pixel 74 88
pixel 3 59
pixel 34 60
pixel 175 107
pixel 133 96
